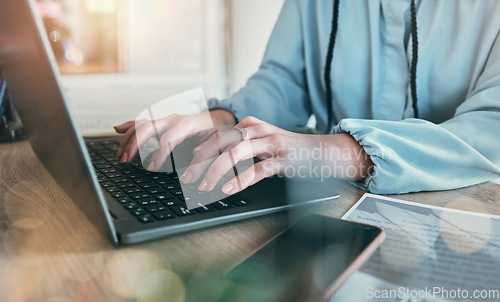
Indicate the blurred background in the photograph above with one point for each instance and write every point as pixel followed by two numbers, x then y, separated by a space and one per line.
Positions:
pixel 136 53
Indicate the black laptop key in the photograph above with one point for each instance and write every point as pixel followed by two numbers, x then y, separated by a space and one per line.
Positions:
pixel 126 169
pixel 115 162
pixel 106 184
pixel 141 180
pixel 112 189
pixel 172 186
pixel 111 144
pixel 146 218
pixel 162 182
pixel 163 215
pixel 126 185
pixel 113 147
pixel 182 211
pixel 148 185
pixel 117 194
pixel 136 164
pixel 101 164
pixel 165 179
pixel 95 158
pixel 140 195
pixel 176 192
pixel 124 199
pixel 164 196
pixel 119 180
pixel 155 208
pixel 222 205
pixel 239 202
pixel 132 189
pixel 108 170
pixel 134 175
pixel 96 146
pixel 131 205
pixel 205 208
pixel 147 201
pixel 154 177
pixel 173 202
pixel 138 212
pixel 156 190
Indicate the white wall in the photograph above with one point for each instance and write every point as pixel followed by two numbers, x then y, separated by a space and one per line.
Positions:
pixel 252 23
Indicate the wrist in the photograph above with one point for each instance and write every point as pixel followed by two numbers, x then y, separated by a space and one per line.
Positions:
pixel 222 117
pixel 347 156
pixel 358 159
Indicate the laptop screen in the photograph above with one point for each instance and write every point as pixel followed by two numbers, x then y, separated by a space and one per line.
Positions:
pixel 29 67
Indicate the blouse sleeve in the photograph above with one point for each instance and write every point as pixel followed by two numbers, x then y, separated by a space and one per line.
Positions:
pixel 417 155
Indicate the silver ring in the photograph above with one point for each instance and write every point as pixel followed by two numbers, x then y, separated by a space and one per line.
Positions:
pixel 243 132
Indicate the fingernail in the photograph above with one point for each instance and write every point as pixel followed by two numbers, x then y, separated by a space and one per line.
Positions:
pixel 186 177
pixel 227 188
pixel 203 186
pixel 124 158
pixel 120 151
pixel 151 166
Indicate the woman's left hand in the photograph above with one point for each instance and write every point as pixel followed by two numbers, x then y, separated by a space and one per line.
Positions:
pixel 277 150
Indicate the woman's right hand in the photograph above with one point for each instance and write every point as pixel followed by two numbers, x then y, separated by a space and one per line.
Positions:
pixel 173 130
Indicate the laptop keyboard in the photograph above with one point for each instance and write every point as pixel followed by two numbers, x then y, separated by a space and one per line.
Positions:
pixel 148 196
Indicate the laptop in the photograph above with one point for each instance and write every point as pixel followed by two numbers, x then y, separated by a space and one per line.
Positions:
pixel 126 203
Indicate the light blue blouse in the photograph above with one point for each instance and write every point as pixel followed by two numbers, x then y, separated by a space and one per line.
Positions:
pixel 456 141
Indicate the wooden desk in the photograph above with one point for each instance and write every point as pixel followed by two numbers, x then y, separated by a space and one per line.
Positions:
pixel 50 252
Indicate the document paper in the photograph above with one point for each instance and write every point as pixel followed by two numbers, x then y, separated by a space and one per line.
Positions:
pixel 429 254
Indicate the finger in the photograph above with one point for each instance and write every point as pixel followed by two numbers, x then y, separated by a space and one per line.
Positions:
pixel 142 131
pixel 259 130
pixel 130 150
pixel 248 121
pixel 223 139
pixel 168 142
pixel 205 153
pixel 232 156
pixel 251 176
pixel 125 140
pixel 123 127
pixel 209 150
pixel 135 137
pixel 147 129
pixel 219 139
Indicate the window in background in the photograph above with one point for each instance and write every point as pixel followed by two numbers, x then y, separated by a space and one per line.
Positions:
pixel 119 56
pixel 83 34
pixel 165 35
pixel 174 43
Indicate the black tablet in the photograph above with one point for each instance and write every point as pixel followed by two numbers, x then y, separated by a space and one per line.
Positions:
pixel 308 261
